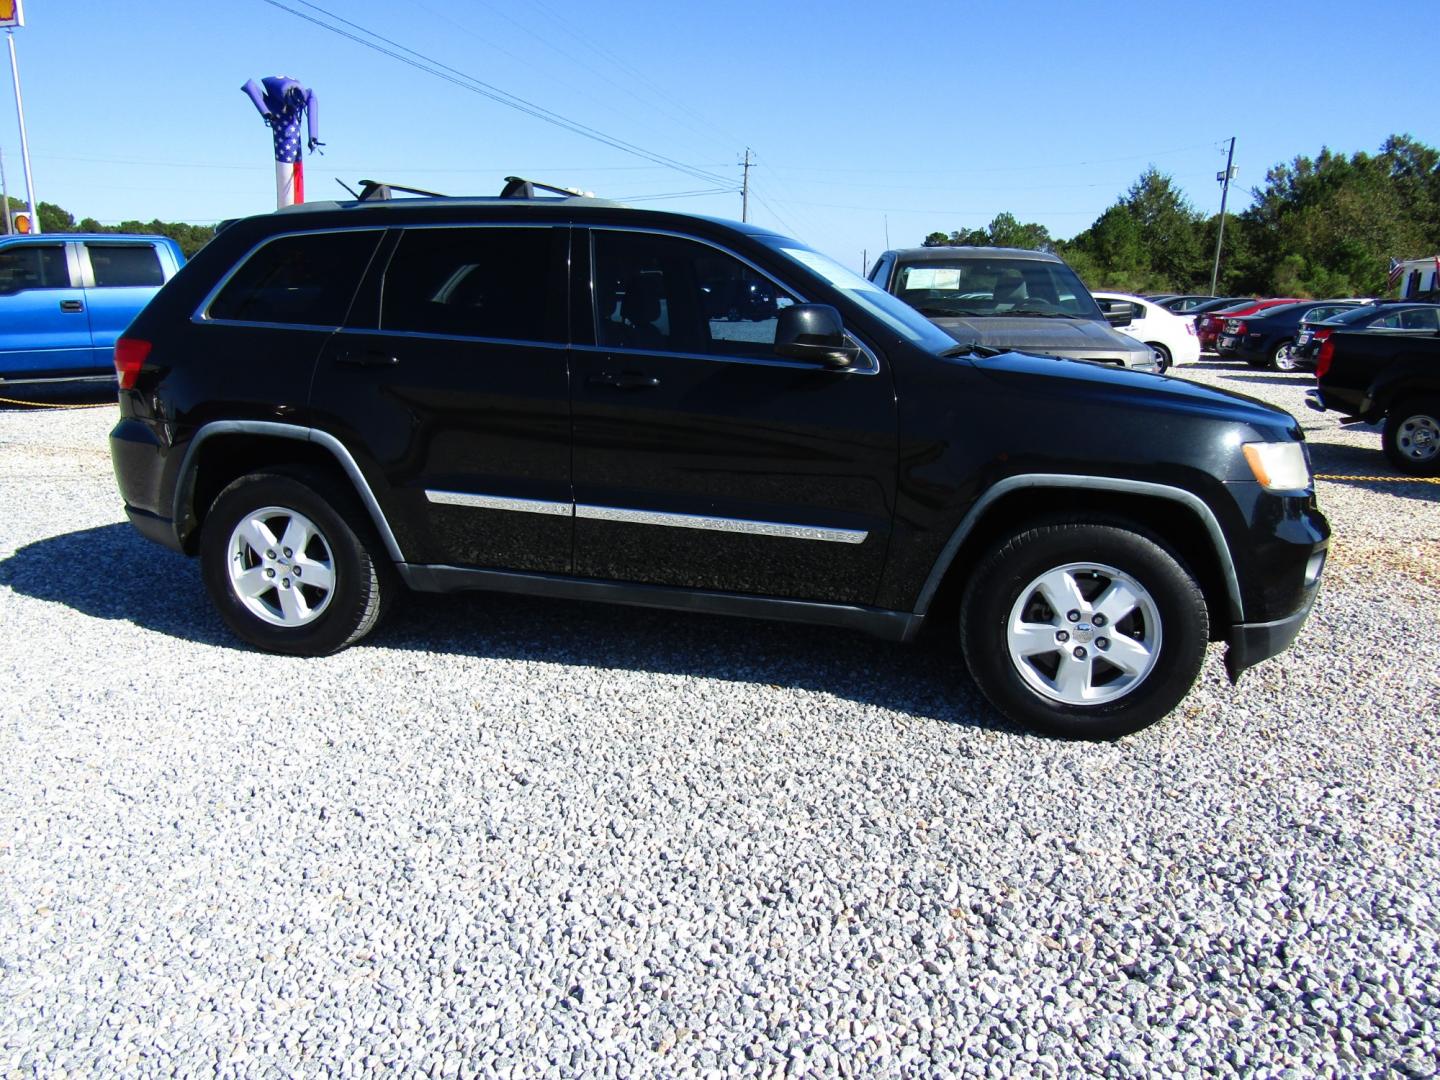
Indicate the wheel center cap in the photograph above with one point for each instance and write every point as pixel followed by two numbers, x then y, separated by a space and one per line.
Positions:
pixel 1083 632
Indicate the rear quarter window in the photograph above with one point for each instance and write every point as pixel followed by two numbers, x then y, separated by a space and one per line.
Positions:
pixel 302 280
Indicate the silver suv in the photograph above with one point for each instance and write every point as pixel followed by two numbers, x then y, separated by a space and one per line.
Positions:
pixel 1009 298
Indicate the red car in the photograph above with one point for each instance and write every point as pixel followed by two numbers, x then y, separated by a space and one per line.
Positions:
pixel 1209 325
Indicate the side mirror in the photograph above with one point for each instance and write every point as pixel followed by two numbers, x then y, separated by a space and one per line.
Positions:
pixel 814 332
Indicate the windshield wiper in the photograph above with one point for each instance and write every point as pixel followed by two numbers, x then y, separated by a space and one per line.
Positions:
pixel 1038 314
pixel 971 348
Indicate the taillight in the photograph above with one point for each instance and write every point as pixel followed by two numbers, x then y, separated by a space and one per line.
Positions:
pixel 130 354
pixel 1327 354
pixel 1323 333
pixel 1240 328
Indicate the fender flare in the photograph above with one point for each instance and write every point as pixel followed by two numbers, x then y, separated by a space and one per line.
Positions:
pixel 184 480
pixel 1010 484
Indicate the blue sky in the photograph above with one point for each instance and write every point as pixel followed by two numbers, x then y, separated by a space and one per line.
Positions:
pixel 862 117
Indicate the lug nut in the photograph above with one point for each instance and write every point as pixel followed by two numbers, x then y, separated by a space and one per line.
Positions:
pixel 269 572
pixel 1080 652
pixel 295 570
pixel 285 582
pixel 269 554
pixel 1102 643
pixel 289 554
pixel 1098 620
pixel 1062 636
pixel 1073 616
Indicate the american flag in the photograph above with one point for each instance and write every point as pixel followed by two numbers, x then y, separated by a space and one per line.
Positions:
pixel 282 102
pixel 1396 269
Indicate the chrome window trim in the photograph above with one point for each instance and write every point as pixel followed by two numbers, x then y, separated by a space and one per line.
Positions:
pixel 500 502
pixel 202 313
pixel 1094 483
pixel 779 361
pixel 873 369
pixel 721 524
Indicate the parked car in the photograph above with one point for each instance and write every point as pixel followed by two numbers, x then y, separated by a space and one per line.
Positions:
pixel 1209 325
pixel 528 395
pixel 66 297
pixel 1195 303
pixel 1373 375
pixel 1394 316
pixel 1265 339
pixel 1172 337
pixel 1008 298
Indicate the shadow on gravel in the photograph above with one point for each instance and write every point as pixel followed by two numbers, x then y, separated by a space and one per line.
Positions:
pixel 1297 381
pixel 111 572
pixel 1339 459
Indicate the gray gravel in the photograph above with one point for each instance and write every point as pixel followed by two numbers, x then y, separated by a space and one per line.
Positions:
pixel 523 838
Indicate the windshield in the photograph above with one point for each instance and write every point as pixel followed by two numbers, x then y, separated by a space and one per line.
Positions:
pixel 996 286
pixel 875 300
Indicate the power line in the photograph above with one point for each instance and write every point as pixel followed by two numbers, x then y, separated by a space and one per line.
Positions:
pixel 422 62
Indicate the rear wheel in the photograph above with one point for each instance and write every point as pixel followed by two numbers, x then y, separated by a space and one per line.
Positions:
pixel 1083 631
pixel 1412 436
pixel 1162 356
pixel 1281 358
pixel 292 564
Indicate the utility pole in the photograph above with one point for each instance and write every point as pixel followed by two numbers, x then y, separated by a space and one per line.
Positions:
pixel 1224 178
pixel 864 260
pixel 4 193
pixel 745 188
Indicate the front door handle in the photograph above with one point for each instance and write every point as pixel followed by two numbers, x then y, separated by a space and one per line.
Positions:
pixel 368 358
pixel 71 306
pixel 624 380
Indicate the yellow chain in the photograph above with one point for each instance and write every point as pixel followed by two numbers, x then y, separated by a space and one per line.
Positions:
pixel 51 405
pixel 1384 479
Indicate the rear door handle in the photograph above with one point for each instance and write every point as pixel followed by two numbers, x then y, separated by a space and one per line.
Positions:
pixel 624 380
pixel 71 305
pixel 368 358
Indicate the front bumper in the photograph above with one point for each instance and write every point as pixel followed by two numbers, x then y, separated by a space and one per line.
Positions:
pixel 1250 643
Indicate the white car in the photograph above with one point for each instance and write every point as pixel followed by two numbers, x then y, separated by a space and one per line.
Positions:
pixel 1171 336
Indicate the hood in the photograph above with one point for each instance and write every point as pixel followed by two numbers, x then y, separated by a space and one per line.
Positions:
pixel 1101 383
pixel 1080 338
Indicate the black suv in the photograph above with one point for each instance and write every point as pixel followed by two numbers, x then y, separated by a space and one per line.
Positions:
pixel 544 395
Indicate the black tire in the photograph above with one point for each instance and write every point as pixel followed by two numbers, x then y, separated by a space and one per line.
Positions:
pixel 1280 358
pixel 1412 436
pixel 1174 616
pixel 361 575
pixel 1162 356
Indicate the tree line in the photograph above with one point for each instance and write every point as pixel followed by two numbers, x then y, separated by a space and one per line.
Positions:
pixel 56 219
pixel 1322 226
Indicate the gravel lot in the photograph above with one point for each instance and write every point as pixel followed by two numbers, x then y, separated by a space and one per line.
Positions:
pixel 517 837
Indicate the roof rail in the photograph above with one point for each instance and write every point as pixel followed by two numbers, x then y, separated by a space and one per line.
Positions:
pixel 378 191
pixel 517 187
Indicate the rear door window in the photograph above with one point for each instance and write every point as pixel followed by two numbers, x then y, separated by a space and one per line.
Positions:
pixel 303 280
pixel 119 265
pixel 475 282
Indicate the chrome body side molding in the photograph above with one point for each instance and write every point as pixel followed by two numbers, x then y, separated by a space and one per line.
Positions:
pixel 721 524
pixel 500 502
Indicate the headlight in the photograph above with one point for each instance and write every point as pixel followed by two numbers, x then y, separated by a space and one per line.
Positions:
pixel 1279 466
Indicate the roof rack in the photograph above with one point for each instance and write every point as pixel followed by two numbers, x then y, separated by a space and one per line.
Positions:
pixel 516 187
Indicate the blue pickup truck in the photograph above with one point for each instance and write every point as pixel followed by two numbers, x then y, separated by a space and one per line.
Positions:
pixel 66 297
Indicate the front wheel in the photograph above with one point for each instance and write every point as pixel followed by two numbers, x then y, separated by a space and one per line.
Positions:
pixel 1412 436
pixel 292 564
pixel 1083 631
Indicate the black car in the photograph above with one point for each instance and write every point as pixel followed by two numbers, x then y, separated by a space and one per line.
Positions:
pixel 1392 316
pixel 1194 303
pixel 1265 339
pixel 533 395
